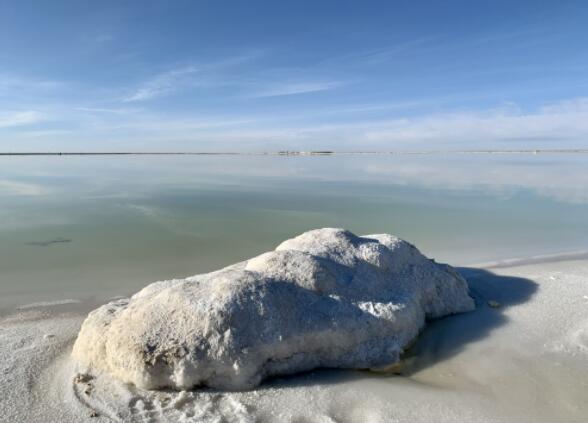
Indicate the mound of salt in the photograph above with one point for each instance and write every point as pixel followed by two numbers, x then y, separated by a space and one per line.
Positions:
pixel 327 298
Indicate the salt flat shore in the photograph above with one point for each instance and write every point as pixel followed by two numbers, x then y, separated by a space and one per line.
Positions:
pixel 521 356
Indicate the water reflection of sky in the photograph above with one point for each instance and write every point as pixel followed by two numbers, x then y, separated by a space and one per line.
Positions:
pixel 131 220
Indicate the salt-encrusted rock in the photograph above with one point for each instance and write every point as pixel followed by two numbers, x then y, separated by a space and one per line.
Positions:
pixel 327 298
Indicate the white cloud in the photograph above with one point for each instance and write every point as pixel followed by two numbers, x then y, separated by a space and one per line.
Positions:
pixel 168 82
pixel 378 56
pixel 560 125
pixel 13 84
pixel 28 117
pixel 573 105
pixel 562 121
pixel 275 90
pixel 180 126
pixel 44 133
pixel 349 127
pixel 115 111
pixel 161 84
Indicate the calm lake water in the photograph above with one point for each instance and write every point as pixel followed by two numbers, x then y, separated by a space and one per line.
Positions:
pixel 100 226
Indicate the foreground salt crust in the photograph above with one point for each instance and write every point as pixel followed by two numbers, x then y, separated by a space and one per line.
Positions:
pixel 327 298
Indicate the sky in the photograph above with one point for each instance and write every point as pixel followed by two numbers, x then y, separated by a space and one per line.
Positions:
pixel 180 75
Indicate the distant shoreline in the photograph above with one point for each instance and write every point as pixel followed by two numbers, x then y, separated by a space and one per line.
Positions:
pixel 291 153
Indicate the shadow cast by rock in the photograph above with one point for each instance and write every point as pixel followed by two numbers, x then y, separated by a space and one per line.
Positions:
pixel 442 338
pixel 446 337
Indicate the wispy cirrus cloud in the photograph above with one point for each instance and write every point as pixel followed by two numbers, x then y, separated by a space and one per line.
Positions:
pixel 556 125
pixel 21 118
pixel 11 84
pixel 246 82
pixel 562 121
pixel 378 56
pixel 114 111
pixel 178 126
pixel 161 84
pixel 194 75
pixel 293 88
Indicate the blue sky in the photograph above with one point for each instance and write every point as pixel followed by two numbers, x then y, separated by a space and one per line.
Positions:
pixel 273 75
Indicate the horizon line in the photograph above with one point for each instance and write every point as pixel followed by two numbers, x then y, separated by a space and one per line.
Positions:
pixel 289 152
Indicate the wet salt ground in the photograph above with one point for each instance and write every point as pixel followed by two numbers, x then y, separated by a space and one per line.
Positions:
pixel 523 361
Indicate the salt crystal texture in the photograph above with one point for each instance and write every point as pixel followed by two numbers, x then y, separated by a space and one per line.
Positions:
pixel 327 298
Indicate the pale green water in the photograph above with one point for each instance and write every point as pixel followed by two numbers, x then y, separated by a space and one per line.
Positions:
pixel 125 221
